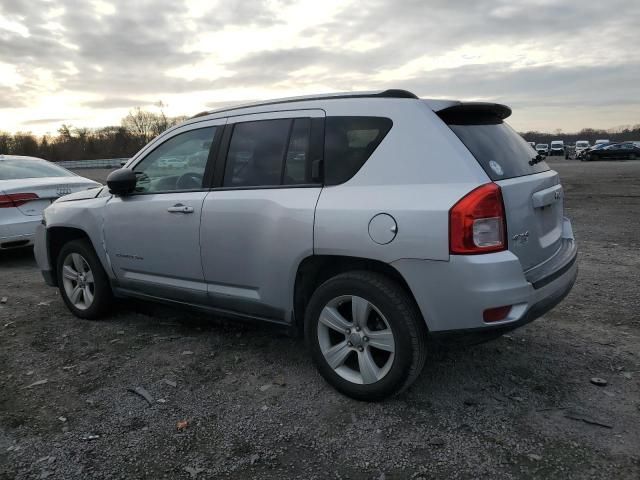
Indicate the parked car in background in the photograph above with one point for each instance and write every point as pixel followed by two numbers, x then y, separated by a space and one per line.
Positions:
pixel 309 221
pixel 583 154
pixel 533 144
pixel 602 141
pixel 557 148
pixel 542 148
pixel 616 151
pixel 581 145
pixel 173 162
pixel 27 186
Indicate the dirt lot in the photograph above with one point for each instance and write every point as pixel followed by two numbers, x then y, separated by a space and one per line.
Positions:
pixel 522 406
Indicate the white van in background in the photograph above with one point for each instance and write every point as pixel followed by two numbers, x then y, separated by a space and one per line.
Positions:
pixel 557 148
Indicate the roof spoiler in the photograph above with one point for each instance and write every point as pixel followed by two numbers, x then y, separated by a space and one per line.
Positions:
pixel 473 113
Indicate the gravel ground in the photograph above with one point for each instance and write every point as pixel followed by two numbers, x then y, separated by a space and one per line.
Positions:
pixel 522 406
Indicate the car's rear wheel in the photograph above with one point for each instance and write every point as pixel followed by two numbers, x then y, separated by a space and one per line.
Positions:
pixel 82 281
pixel 366 335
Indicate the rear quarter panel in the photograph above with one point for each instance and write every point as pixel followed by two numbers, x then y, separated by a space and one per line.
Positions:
pixel 416 174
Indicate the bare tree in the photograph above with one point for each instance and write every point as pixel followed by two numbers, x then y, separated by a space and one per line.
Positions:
pixel 140 123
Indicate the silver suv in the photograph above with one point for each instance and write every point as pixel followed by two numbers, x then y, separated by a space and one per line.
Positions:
pixel 369 222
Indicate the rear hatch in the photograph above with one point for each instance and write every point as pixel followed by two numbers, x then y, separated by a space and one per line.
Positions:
pixel 47 190
pixel 532 194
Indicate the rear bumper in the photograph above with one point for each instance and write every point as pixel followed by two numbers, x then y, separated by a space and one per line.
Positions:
pixel 453 295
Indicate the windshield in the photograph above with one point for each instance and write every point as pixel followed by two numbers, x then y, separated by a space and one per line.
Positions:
pixel 582 144
pixel 557 144
pixel 13 169
pixel 542 145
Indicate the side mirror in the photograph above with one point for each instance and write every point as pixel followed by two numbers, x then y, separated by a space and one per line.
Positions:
pixel 121 181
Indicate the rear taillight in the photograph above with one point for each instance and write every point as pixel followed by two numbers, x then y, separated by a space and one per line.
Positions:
pixel 16 199
pixel 477 222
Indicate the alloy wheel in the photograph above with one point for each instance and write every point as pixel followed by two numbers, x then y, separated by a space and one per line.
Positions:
pixel 356 339
pixel 78 282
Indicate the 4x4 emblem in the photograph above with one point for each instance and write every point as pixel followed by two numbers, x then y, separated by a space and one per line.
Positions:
pixel 521 238
pixel 557 195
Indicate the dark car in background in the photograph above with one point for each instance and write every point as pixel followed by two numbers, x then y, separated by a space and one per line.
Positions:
pixel 617 151
pixel 583 154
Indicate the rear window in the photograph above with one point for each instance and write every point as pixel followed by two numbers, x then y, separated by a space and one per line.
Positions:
pixel 348 144
pixel 13 169
pixel 500 150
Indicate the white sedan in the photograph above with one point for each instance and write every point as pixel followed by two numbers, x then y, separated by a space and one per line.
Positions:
pixel 27 186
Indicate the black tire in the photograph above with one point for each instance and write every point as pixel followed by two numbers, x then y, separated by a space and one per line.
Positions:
pixel 102 295
pixel 404 320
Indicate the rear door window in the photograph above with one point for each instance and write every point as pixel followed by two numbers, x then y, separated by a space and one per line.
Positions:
pixel 349 142
pixel 268 153
pixel 499 150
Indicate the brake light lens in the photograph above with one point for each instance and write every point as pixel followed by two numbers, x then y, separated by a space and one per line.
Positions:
pixel 477 223
pixel 16 199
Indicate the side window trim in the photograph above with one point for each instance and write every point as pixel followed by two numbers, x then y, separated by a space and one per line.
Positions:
pixel 285 153
pixel 316 149
pixel 214 151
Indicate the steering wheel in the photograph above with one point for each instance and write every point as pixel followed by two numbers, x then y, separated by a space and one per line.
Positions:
pixel 189 181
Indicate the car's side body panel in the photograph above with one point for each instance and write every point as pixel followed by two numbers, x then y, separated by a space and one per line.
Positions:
pixel 153 250
pixel 85 215
pixel 153 246
pixel 252 242
pixel 253 238
pixel 415 175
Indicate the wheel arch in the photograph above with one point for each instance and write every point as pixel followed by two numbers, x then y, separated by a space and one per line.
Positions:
pixel 57 237
pixel 314 270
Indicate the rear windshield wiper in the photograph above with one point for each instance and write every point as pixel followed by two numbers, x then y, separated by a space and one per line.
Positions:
pixel 537 159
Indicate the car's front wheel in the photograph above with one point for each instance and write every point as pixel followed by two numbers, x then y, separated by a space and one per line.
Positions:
pixel 366 336
pixel 82 281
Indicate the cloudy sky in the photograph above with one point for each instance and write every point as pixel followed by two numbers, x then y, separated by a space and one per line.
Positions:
pixel 559 64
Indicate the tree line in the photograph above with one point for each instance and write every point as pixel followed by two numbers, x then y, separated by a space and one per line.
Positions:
pixel 140 126
pixel 71 143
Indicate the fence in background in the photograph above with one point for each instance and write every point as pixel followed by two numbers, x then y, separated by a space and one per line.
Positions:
pixel 99 163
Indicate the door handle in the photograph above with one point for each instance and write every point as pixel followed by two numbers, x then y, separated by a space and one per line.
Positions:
pixel 180 208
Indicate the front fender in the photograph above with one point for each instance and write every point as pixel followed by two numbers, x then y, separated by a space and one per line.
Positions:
pixel 84 215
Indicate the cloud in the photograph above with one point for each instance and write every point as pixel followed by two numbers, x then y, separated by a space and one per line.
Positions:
pixel 42 121
pixel 532 54
pixel 116 102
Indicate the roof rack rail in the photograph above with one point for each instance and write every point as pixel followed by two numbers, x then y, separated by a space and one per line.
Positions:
pixel 389 93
